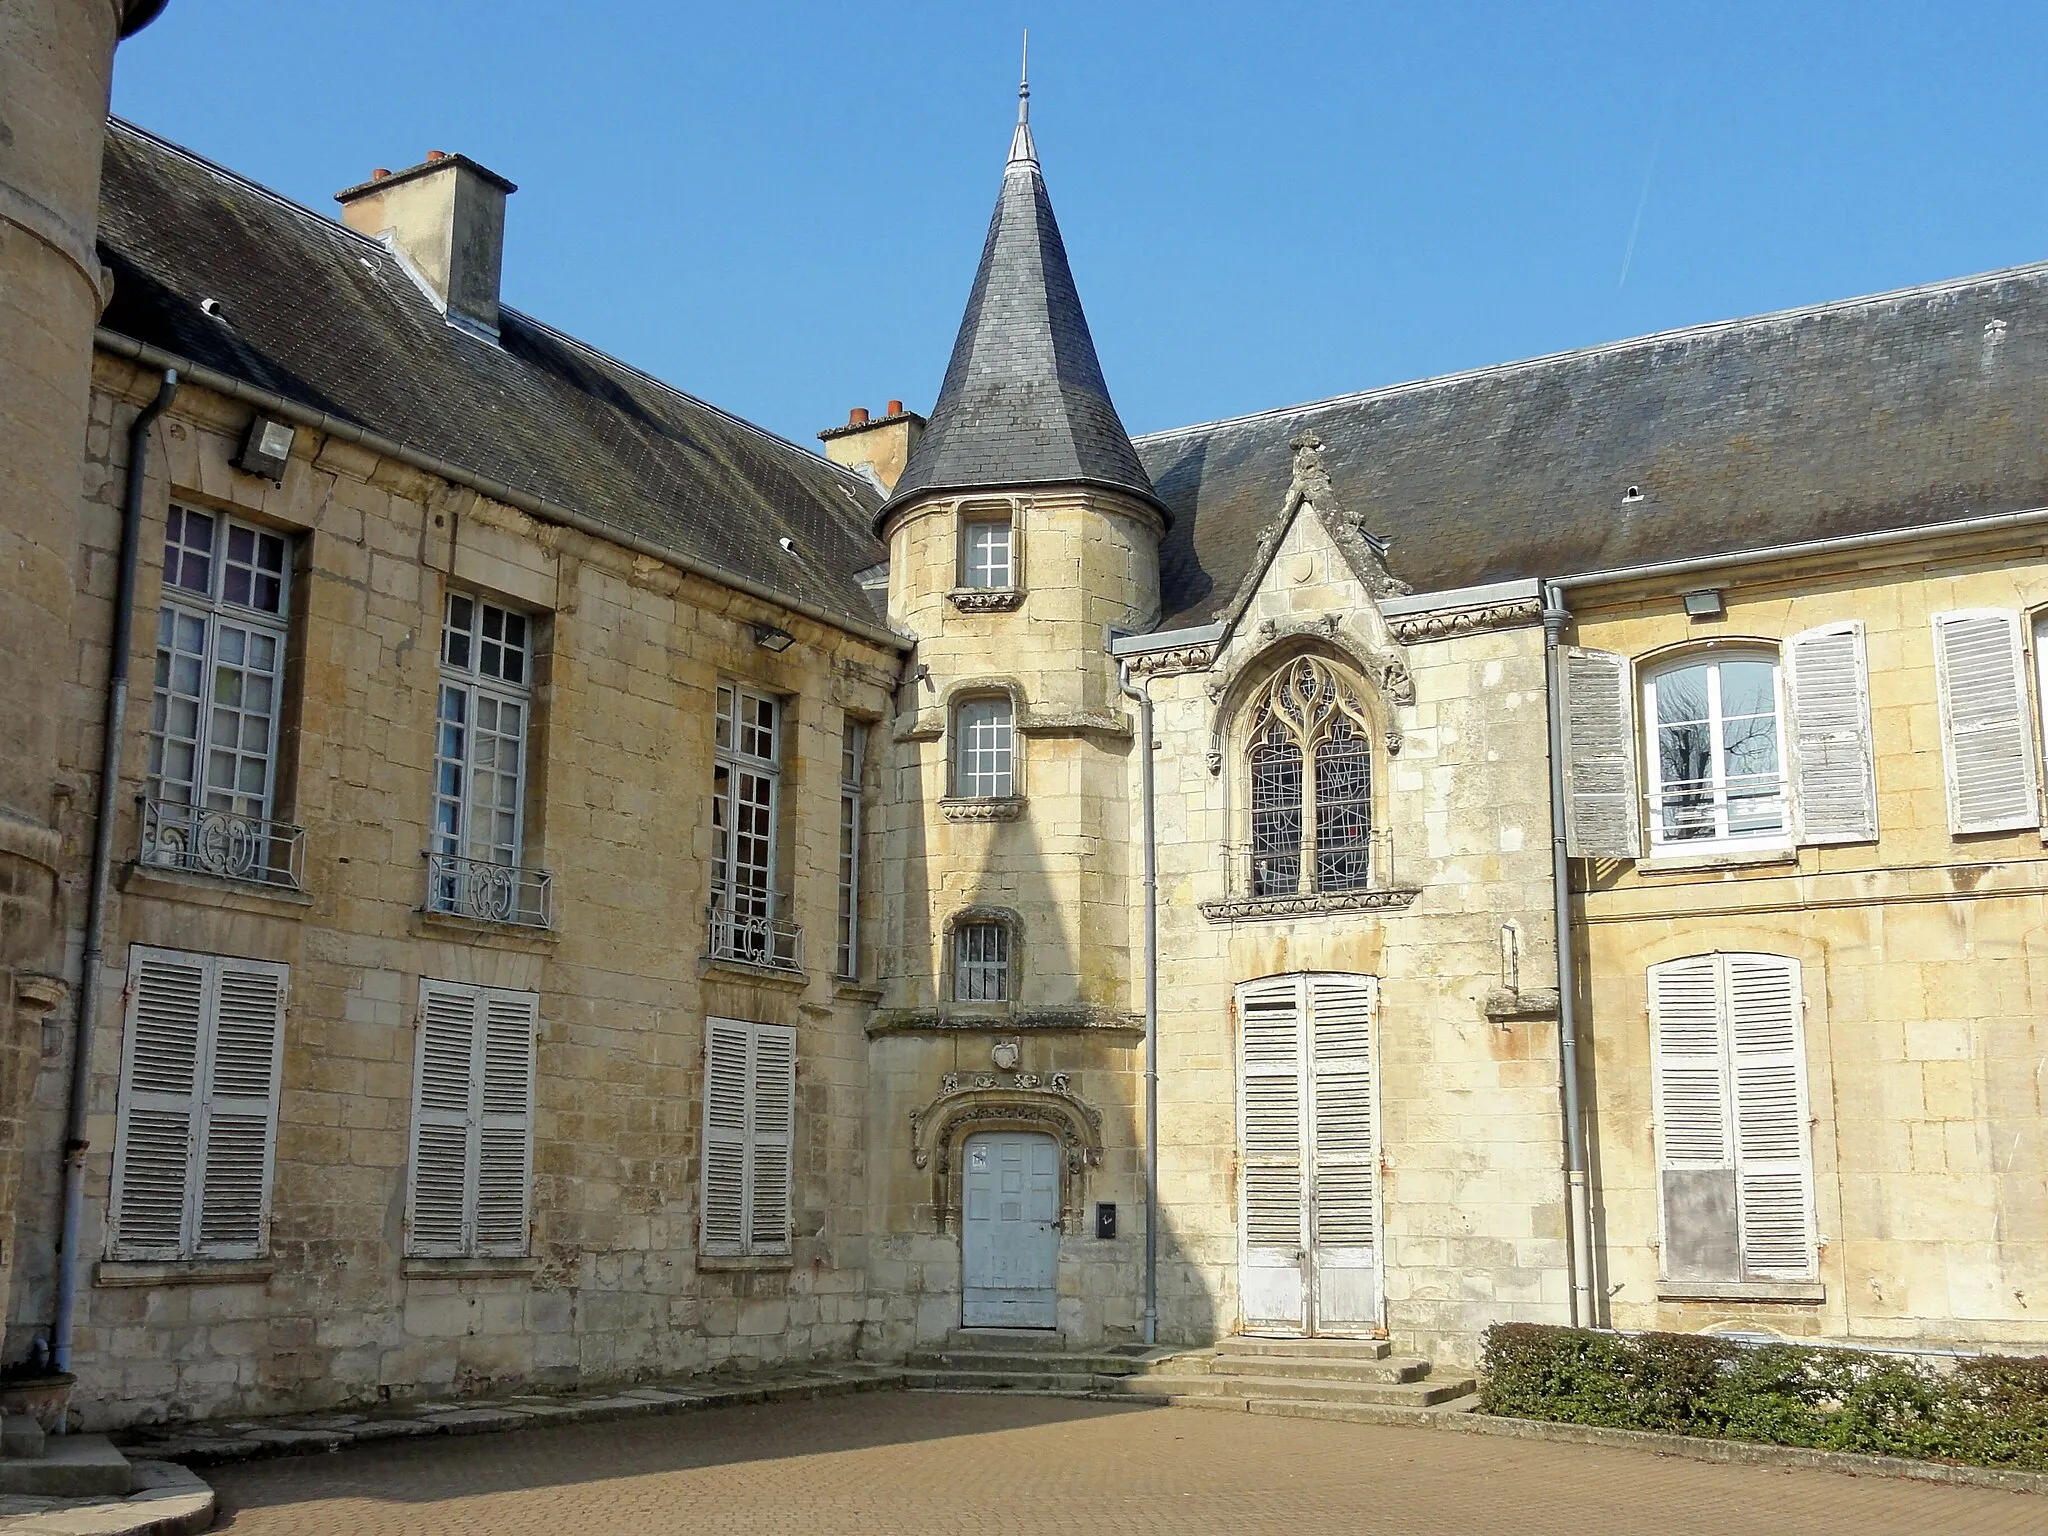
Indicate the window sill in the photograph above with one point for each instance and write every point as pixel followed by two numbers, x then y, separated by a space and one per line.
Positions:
pixel 138 879
pixel 113 1273
pixel 856 991
pixel 749 1263
pixel 773 975
pixel 1256 909
pixel 1717 858
pixel 1804 1291
pixel 470 1268
pixel 986 599
pixel 978 808
pixel 527 936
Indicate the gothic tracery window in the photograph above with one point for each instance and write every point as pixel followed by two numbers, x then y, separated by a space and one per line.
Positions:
pixel 1309 760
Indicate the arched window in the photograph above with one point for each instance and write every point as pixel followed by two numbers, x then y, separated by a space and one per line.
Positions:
pixel 984 750
pixel 1309 760
pixel 1716 768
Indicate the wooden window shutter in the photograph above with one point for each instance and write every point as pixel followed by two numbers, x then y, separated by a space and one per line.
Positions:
pixel 238 1108
pixel 1599 756
pixel 439 1210
pixel 504 1134
pixel 1834 778
pixel 155 1135
pixel 725 1137
pixel 1345 1150
pixel 1695 1144
pixel 1987 740
pixel 1269 1017
pixel 1774 1155
pixel 771 1137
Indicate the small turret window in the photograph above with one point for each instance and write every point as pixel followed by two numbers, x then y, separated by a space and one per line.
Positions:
pixel 986 561
pixel 984 753
pixel 981 963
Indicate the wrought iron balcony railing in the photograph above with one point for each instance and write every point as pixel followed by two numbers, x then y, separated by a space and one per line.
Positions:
pixel 204 841
pixel 489 892
pixel 754 940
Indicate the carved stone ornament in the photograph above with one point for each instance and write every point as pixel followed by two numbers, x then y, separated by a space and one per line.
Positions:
pixel 986 599
pixel 1215 761
pixel 1181 658
pixel 1412 627
pixel 1016 1102
pixel 1006 1054
pixel 1008 808
pixel 1253 909
pixel 1368 555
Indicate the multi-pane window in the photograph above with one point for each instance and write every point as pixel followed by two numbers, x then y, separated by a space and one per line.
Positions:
pixel 749 1137
pixel 470 1179
pixel 981 963
pixel 484 714
pixel 984 757
pixel 1716 771
pixel 1310 792
pixel 746 789
pixel 213 726
pixel 194 1141
pixel 853 748
pixel 986 554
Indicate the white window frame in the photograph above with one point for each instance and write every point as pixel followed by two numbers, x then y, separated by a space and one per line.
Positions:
pixel 746 1143
pixel 1722 839
pixel 979 569
pixel 735 752
pixel 971 781
pixel 468 679
pixel 482 1090
pixel 230 1082
pixel 215 615
pixel 853 753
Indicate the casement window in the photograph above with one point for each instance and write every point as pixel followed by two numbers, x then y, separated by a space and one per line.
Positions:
pixel 213 729
pixel 853 750
pixel 1987 739
pixel 988 553
pixel 984 749
pixel 484 718
pixel 1309 771
pixel 981 962
pixel 745 802
pixel 195 1139
pixel 469 1188
pixel 1734 1149
pixel 1740 748
pixel 749 1136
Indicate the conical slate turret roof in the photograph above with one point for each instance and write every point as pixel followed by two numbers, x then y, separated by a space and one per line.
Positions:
pixel 1023 402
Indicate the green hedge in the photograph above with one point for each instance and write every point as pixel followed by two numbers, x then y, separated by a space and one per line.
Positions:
pixel 1990 1411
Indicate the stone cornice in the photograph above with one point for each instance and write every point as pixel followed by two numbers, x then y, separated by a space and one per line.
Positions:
pixel 998 1020
pixel 1410 628
pixel 1256 909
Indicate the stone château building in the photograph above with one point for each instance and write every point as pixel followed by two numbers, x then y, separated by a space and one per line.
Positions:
pixel 594 890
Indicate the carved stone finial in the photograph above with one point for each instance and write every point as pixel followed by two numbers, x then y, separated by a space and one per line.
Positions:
pixel 1311 480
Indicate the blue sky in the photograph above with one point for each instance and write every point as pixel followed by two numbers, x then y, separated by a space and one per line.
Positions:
pixel 779 206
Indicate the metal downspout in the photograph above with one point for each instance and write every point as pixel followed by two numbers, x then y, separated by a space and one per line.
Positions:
pixel 1145 747
pixel 102 864
pixel 1578 1190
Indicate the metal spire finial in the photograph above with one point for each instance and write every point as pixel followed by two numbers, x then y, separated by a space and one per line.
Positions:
pixel 1022 150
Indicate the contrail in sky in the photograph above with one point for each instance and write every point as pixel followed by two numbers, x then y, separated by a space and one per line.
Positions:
pixel 1663 118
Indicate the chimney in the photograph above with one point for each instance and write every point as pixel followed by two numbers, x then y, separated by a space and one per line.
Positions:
pixel 877 447
pixel 446 218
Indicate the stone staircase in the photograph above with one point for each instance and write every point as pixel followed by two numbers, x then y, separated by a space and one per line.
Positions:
pixel 1022 1360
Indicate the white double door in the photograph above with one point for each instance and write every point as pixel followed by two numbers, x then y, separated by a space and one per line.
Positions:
pixel 1010 1231
pixel 1308 1151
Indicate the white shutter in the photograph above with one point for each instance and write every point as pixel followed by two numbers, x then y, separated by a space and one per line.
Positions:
pixel 167 1003
pixel 504 1157
pixel 1269 1016
pixel 773 1094
pixel 725 1137
pixel 1987 743
pixel 1834 779
pixel 1599 756
pixel 1695 1138
pixel 438 1205
pixel 238 1108
pixel 1774 1159
pixel 1345 1159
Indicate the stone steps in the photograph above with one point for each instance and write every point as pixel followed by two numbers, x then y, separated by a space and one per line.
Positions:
pixel 1409 1394
pixel 1220 1363
pixel 1023 1362
pixel 1305 1349
pixel 1055 1383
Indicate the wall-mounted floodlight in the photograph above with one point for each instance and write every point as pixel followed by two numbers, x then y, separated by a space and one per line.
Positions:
pixel 267 448
pixel 1704 604
pixel 769 638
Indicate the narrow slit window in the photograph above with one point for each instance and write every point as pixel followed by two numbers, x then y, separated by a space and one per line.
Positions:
pixel 853 749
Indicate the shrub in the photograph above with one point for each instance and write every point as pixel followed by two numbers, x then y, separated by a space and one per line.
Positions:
pixel 1989 1411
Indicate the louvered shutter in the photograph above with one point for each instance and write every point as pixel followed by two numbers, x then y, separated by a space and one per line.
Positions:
pixel 153 1144
pixel 438 1205
pixel 1695 1143
pixel 1773 1149
pixel 1341 1102
pixel 773 1093
pixel 1987 741
pixel 238 1107
pixel 725 1137
pixel 1833 776
pixel 1270 1017
pixel 1599 756
pixel 504 1131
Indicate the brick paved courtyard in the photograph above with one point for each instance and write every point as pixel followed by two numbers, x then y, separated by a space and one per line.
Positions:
pixel 909 1463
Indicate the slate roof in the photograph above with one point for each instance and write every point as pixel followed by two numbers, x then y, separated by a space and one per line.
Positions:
pixel 1023 402
pixel 1905 408
pixel 329 319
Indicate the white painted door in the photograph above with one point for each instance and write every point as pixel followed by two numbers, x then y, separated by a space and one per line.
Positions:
pixel 1309 1259
pixel 1009 1230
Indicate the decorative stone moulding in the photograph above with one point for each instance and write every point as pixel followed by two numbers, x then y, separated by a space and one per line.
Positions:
pixel 1007 808
pixel 1004 1101
pixel 999 1018
pixel 1412 627
pixel 1252 909
pixel 986 599
pixel 1182 658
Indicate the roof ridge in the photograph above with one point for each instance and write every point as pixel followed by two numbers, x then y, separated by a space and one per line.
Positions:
pixel 330 225
pixel 1602 348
